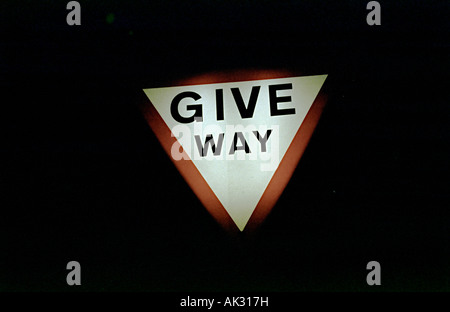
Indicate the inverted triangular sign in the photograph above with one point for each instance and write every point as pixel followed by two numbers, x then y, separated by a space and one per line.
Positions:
pixel 237 143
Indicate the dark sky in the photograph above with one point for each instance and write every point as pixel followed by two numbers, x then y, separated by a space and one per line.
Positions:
pixel 84 178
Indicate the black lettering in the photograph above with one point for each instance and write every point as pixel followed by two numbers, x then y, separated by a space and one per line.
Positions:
pixel 246 112
pixel 243 146
pixel 209 140
pixel 274 100
pixel 263 139
pixel 197 108
pixel 219 104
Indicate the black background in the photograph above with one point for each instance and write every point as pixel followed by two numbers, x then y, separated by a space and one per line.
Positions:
pixel 84 178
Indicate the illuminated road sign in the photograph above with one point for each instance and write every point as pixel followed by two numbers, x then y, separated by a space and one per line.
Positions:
pixel 237 143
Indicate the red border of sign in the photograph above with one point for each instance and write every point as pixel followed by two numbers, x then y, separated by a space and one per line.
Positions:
pixel 281 176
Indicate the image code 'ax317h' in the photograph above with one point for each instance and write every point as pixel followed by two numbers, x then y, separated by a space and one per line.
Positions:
pixel 237 139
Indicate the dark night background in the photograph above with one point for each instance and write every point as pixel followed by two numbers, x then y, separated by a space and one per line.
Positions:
pixel 84 178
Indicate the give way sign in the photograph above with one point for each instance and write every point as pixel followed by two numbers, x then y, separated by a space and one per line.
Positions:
pixel 237 143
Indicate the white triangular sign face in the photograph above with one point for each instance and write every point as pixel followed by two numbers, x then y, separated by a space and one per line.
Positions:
pixel 236 133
